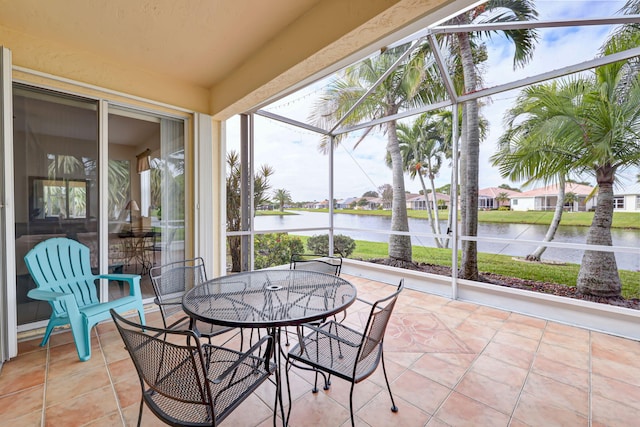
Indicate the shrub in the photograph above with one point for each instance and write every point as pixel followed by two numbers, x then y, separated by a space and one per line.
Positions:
pixel 504 208
pixel 343 245
pixel 275 249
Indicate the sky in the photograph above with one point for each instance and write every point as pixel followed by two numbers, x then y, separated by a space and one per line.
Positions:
pixel 302 169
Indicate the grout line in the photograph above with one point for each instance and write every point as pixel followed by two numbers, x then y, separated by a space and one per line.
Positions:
pixel 113 387
pixel 526 378
pixel 590 385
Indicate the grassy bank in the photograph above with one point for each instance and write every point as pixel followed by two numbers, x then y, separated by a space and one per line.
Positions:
pixel 274 213
pixel 630 220
pixel 564 274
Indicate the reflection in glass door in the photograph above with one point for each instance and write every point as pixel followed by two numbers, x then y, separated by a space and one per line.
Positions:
pixel 146 193
pixel 55 153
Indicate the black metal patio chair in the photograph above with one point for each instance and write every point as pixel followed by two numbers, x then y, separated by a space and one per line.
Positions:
pixel 186 383
pixel 313 262
pixel 170 282
pixel 341 351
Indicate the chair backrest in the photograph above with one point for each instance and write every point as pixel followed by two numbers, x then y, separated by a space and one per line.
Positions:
pixel 170 363
pixel 377 323
pixel 313 262
pixel 63 265
pixel 171 281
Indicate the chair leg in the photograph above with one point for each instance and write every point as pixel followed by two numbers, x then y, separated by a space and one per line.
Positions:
pixel 394 408
pixel 140 412
pixel 286 372
pixel 47 334
pixel 353 384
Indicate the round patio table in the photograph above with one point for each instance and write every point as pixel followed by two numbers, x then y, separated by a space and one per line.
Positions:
pixel 269 299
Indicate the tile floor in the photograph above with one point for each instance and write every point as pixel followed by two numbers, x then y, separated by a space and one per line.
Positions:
pixel 451 364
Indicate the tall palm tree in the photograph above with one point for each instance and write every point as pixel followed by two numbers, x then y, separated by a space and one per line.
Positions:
pixel 464 44
pixel 401 88
pixel 531 148
pixel 282 196
pixel 423 150
pixel 445 128
pixel 597 122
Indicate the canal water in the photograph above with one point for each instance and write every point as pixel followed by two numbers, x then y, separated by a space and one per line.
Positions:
pixel 566 234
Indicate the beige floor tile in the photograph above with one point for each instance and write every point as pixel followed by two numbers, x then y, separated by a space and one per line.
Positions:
pixel 420 391
pixel 459 410
pixel 513 355
pixel 621 392
pixel 541 411
pixel 560 372
pixel 317 409
pixel 506 369
pixel 497 395
pixel 620 371
pixel 441 369
pixel 378 413
pixel 560 394
pixel 500 371
pixel 574 343
pixel 569 357
pixel 82 409
pixel 62 388
pixel 611 413
pixel 21 403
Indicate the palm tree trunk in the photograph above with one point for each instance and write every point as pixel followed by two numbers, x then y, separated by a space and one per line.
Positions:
pixel 429 215
pixel 452 214
pixel 555 222
pixel 598 271
pixel 469 158
pixel 436 217
pixel 399 246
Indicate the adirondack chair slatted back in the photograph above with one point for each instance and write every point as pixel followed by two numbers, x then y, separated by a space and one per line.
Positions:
pixel 64 265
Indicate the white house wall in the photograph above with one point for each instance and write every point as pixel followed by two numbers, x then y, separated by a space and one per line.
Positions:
pixel 527 204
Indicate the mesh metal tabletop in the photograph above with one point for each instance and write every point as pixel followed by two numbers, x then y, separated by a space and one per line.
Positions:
pixel 269 298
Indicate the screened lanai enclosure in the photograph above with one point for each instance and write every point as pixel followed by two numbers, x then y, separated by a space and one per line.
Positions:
pixel 391 151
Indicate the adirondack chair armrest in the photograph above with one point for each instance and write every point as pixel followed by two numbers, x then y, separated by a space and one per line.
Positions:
pixel 132 279
pixel 68 300
pixel 47 295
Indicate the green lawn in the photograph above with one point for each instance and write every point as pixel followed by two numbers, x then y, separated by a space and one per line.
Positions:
pixel 275 212
pixel 564 274
pixel 620 219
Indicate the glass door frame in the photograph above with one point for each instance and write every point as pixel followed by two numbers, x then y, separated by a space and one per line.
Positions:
pixel 8 307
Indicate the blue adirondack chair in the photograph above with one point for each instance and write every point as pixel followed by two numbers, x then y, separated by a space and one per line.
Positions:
pixel 61 269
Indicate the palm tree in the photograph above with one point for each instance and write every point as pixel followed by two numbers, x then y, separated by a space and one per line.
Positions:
pixel 422 151
pixel 464 44
pixel 502 198
pixel 401 88
pixel 596 121
pixel 281 196
pixel 531 144
pixel 607 142
pixel 234 200
pixel 445 127
pixel 571 198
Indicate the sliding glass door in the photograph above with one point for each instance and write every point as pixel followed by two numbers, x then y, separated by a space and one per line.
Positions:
pixel 146 186
pixel 55 153
pixel 57 162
